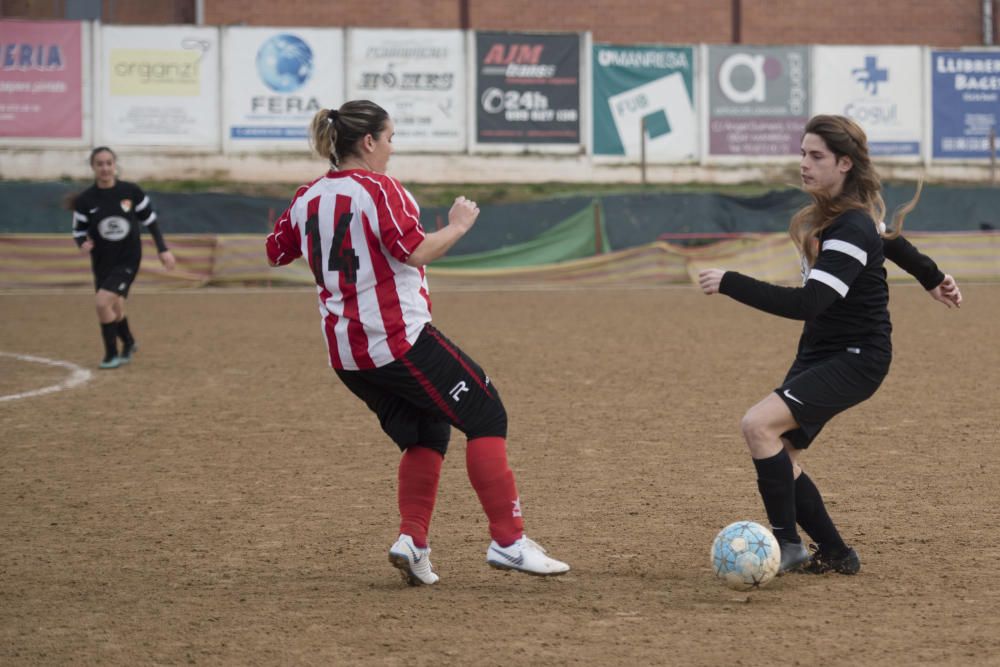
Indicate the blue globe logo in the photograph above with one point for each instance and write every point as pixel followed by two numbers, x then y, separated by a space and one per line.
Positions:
pixel 284 63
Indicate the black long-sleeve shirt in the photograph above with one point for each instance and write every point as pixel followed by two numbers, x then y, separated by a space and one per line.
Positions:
pixel 902 253
pixel 111 218
pixel 844 301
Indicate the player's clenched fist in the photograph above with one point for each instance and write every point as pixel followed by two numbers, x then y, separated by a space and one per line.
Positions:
pixel 463 213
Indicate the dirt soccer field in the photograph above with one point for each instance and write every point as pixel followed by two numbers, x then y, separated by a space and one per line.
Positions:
pixel 223 500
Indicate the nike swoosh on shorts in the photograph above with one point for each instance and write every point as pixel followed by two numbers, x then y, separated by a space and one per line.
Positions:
pixel 790 397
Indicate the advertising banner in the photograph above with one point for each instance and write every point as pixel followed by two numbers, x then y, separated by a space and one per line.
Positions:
pixel 651 83
pixel 159 86
pixel 527 88
pixel 418 76
pixel 275 80
pixel 757 99
pixel 965 102
pixel 41 75
pixel 880 87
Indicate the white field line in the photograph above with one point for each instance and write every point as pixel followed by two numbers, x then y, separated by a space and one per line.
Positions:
pixel 78 376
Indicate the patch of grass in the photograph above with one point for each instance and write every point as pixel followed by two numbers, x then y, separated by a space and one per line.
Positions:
pixel 190 186
pixel 503 193
pixel 443 194
pixel 282 190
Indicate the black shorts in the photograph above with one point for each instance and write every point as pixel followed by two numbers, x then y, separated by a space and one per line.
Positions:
pixel 432 387
pixel 816 390
pixel 117 279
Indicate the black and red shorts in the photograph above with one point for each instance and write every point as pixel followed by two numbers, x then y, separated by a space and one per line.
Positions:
pixel 433 387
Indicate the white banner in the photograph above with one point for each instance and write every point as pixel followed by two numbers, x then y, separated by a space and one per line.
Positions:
pixel 418 76
pixel 159 86
pixel 881 87
pixel 275 80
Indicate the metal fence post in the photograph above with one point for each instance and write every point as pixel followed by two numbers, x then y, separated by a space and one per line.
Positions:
pixel 642 148
pixel 993 156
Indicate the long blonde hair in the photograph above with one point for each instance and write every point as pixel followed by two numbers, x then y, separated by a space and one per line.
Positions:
pixel 862 187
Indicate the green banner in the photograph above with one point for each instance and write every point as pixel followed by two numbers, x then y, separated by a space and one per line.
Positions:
pixel 573 238
pixel 654 84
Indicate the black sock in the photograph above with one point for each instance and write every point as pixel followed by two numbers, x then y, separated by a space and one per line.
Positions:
pixel 124 333
pixel 109 333
pixel 776 483
pixel 812 516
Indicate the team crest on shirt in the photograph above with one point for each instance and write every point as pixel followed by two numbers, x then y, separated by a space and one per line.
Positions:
pixel 126 205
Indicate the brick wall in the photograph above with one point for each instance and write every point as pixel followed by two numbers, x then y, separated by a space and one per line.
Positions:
pixel 152 12
pixel 31 9
pixel 339 13
pixel 655 21
pixel 929 22
pixel 932 22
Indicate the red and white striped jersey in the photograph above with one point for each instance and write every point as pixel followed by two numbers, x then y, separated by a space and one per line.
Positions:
pixel 357 228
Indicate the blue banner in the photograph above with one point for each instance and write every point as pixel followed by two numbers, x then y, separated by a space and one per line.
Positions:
pixel 253 132
pixel 965 102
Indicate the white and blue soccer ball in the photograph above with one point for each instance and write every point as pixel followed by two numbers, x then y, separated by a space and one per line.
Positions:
pixel 745 555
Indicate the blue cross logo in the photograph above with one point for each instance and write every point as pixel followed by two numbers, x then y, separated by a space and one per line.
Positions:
pixel 870 75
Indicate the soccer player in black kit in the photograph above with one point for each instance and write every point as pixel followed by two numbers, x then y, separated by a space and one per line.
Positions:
pixel 845 348
pixel 106 220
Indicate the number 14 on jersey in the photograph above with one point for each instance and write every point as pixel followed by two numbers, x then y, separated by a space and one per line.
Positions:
pixel 343 260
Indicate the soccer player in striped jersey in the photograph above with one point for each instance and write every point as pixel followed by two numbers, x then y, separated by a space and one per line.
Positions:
pixel 106 221
pixel 845 349
pixel 360 231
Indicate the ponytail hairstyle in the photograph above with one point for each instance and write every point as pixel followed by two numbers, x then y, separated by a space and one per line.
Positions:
pixel 335 133
pixel 862 187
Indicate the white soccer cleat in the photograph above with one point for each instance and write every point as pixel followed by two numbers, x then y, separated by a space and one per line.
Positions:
pixel 526 556
pixel 413 562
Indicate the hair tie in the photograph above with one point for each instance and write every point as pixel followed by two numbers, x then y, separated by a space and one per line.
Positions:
pixel 332 115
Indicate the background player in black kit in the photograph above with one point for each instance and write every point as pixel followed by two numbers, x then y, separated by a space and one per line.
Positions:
pixel 845 349
pixel 106 219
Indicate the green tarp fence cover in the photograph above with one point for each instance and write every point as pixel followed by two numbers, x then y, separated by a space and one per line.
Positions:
pixel 573 238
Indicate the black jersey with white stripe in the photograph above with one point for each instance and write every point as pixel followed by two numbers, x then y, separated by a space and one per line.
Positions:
pixel 844 298
pixel 851 262
pixel 905 255
pixel 111 218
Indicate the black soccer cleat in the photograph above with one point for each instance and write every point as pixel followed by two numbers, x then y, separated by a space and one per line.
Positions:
pixel 794 556
pixel 128 350
pixel 844 562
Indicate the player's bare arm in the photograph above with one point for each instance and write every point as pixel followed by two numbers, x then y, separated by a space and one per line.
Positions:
pixel 461 217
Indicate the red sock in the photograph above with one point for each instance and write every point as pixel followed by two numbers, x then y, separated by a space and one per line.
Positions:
pixel 419 471
pixel 491 477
